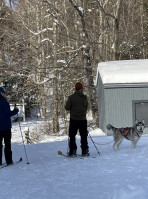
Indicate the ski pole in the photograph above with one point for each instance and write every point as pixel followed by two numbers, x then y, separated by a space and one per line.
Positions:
pixel 68 145
pixel 23 140
pixel 68 140
pixel 94 143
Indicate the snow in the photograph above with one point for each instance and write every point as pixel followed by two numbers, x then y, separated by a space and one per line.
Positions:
pixel 124 71
pixel 81 10
pixel 112 175
pixel 47 39
pixel 61 61
pixel 41 31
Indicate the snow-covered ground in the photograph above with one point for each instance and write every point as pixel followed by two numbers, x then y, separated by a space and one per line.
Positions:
pixel 112 175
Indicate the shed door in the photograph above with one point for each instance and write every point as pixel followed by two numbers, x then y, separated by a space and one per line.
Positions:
pixel 141 111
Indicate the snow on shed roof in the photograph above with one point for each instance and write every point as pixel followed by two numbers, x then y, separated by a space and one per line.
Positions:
pixel 124 71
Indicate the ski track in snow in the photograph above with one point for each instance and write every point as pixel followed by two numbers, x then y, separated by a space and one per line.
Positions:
pixel 112 175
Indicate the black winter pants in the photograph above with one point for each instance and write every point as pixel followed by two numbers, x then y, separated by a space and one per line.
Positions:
pixel 74 126
pixel 6 136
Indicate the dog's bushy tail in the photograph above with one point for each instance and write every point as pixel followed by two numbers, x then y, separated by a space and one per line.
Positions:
pixel 109 127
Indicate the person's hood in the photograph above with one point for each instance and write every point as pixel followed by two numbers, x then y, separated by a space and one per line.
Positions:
pixel 80 93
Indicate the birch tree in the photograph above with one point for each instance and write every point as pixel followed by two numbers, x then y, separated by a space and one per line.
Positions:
pixel 87 56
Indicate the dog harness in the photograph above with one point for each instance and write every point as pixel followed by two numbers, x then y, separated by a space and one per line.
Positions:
pixel 125 132
pixel 138 133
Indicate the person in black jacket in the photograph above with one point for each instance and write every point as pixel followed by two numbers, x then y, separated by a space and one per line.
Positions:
pixel 5 126
pixel 77 104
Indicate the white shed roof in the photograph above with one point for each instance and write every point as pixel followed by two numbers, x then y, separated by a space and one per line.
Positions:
pixel 124 72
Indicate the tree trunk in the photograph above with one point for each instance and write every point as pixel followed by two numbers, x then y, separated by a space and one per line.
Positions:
pixel 55 85
pixel 116 31
pixel 88 66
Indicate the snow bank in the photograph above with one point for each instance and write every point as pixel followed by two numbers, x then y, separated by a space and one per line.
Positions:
pixel 97 132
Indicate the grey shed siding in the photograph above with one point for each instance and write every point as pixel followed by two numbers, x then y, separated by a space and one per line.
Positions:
pixel 101 103
pixel 122 91
pixel 118 105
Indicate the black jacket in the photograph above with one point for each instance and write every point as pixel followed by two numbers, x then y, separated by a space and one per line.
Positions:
pixel 77 104
pixel 5 114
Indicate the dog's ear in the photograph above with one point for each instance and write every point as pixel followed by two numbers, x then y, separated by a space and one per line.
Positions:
pixel 136 122
pixel 143 121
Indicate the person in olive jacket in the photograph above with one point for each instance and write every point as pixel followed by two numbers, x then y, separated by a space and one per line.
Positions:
pixel 5 126
pixel 77 104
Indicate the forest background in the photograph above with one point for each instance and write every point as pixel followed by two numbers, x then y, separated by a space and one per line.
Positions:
pixel 46 46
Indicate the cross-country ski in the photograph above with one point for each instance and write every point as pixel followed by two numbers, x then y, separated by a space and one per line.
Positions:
pixel 7 165
pixel 75 156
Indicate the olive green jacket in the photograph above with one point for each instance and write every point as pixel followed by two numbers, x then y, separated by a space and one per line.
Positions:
pixel 77 104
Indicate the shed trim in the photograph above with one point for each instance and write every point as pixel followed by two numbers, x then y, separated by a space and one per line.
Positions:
pixel 114 86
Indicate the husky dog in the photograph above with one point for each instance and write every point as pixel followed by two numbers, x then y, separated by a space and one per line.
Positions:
pixel 131 133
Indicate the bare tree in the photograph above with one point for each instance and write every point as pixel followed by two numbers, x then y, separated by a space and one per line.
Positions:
pixel 87 56
pixel 48 45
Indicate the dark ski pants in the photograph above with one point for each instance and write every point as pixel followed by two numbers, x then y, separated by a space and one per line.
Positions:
pixel 74 126
pixel 6 136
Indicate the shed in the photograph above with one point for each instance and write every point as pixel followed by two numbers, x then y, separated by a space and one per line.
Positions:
pixel 21 113
pixel 122 92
